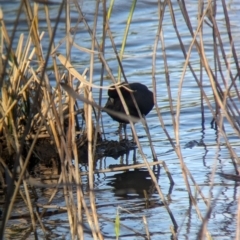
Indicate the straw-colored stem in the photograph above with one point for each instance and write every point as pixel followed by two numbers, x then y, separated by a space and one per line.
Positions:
pixel 90 131
pixel 129 20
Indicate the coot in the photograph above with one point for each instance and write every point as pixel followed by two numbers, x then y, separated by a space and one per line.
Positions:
pixel 142 95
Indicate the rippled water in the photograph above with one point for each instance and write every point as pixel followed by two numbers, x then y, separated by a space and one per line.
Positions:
pixel 200 159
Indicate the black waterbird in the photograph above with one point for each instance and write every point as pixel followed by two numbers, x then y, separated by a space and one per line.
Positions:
pixel 143 97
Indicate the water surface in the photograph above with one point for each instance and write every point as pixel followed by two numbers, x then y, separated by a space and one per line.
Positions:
pixel 201 158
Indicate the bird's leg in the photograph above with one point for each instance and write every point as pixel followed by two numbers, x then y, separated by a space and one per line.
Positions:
pixel 120 131
pixel 133 139
pixel 125 130
pixel 124 126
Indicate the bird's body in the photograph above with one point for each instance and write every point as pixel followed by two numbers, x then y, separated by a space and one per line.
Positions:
pixel 142 95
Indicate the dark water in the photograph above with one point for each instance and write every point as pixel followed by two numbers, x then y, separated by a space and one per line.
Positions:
pixel 201 158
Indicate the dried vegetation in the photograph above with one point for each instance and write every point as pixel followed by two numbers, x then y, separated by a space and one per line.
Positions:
pixel 42 128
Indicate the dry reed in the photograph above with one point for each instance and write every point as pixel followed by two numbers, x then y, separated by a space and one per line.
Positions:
pixel 33 107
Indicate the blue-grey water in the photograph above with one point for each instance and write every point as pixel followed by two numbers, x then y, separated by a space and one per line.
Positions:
pixel 209 153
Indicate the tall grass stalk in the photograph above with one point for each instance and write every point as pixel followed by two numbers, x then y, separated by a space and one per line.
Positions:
pixel 32 107
pixel 125 36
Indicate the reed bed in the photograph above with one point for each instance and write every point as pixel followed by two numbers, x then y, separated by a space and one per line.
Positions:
pixel 39 118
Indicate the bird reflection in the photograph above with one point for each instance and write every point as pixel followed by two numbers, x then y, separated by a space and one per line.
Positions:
pixel 132 184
